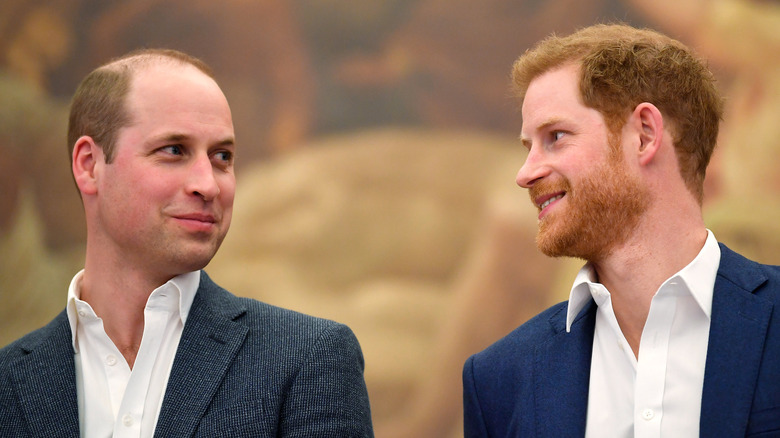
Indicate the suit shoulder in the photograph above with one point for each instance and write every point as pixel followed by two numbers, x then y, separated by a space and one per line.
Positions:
pixel 256 312
pixel 277 318
pixel 748 274
pixel 272 326
pixel 10 352
pixel 30 341
pixel 773 272
pixel 521 341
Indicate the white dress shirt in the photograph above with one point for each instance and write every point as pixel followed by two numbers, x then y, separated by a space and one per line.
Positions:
pixel 113 400
pixel 658 394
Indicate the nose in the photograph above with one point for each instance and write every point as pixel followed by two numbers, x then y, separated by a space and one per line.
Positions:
pixel 532 170
pixel 201 179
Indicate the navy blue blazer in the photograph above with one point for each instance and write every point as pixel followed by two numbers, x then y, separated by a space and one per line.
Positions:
pixel 243 368
pixel 534 382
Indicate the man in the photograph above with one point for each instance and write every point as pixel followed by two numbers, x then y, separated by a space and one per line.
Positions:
pixel 666 332
pixel 148 344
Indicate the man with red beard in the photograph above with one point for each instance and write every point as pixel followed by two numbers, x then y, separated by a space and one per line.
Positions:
pixel 666 332
pixel 148 345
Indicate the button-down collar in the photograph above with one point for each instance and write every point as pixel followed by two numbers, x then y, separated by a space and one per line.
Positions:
pixel 698 277
pixel 179 289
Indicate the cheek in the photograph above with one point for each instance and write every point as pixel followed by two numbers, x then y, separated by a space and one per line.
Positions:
pixel 227 188
pixel 152 189
pixel 227 191
pixel 226 196
pixel 148 197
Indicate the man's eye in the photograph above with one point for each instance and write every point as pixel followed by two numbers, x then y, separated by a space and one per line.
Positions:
pixel 557 135
pixel 226 156
pixel 173 149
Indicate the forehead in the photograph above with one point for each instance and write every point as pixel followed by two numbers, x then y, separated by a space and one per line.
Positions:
pixel 550 90
pixel 169 86
pixel 554 98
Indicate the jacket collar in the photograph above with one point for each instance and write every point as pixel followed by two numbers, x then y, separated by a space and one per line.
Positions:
pixel 740 320
pixel 209 343
pixel 738 329
pixel 45 381
pixel 562 374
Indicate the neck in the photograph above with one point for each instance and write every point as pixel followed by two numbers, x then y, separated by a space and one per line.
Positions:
pixel 633 272
pixel 118 294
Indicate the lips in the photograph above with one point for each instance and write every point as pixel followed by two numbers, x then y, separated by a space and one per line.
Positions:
pixel 197 222
pixel 546 201
pixel 550 200
pixel 199 217
pixel 546 193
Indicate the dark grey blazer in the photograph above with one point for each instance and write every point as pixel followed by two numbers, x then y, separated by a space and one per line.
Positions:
pixel 243 368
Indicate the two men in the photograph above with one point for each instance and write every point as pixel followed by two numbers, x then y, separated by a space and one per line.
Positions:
pixel 148 344
pixel 666 332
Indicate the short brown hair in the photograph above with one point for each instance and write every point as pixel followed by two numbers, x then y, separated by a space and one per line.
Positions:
pixel 98 106
pixel 621 67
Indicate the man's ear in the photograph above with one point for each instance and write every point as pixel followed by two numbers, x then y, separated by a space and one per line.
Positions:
pixel 649 123
pixel 85 159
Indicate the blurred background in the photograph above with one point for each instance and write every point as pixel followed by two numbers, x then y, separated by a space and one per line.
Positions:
pixel 376 162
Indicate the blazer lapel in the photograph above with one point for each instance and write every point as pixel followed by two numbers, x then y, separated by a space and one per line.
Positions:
pixel 45 381
pixel 562 371
pixel 738 329
pixel 209 343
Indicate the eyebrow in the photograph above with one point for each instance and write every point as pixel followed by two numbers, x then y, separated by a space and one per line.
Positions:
pixel 178 138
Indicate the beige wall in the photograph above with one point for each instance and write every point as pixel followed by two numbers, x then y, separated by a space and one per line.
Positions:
pixel 377 154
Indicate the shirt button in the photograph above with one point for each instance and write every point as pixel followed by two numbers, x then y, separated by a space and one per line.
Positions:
pixel 127 420
pixel 648 414
pixel 82 313
pixel 111 361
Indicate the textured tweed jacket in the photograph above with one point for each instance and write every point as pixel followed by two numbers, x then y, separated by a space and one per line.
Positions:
pixel 243 368
pixel 534 382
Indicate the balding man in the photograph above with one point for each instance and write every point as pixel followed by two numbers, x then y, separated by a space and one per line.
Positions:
pixel 148 345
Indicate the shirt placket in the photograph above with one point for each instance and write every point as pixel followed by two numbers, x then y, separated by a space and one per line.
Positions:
pixel 651 367
pixel 156 315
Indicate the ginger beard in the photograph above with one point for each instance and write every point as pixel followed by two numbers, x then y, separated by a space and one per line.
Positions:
pixel 600 213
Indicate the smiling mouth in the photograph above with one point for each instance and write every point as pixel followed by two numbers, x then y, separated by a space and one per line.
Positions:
pixel 197 222
pixel 550 201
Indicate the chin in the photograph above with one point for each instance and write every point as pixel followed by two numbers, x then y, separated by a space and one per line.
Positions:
pixel 575 245
pixel 552 241
pixel 564 243
pixel 192 260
